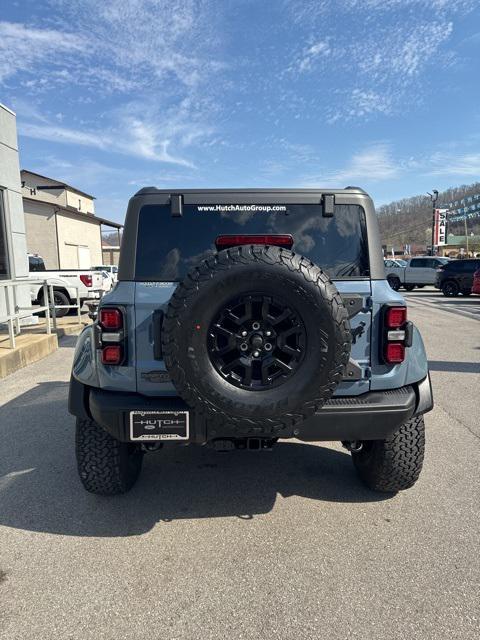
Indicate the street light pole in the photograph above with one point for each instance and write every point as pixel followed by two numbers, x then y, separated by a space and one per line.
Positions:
pixel 433 198
pixel 466 234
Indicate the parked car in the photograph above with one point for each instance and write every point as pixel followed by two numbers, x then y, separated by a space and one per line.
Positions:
pixel 456 277
pixel 476 282
pixel 65 283
pixel 111 269
pixel 418 272
pixel 219 332
pixel 108 281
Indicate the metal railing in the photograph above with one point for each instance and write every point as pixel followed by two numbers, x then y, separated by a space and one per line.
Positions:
pixel 14 313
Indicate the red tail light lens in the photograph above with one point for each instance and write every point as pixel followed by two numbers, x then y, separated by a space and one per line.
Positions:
pixel 225 242
pixel 396 334
pixel 112 354
pixel 394 352
pixel 111 319
pixel 395 317
pixel 86 279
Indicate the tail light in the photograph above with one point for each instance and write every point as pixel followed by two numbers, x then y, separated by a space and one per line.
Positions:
pixel 395 352
pixel 397 334
pixel 111 319
pixel 395 317
pixel 86 279
pixel 111 335
pixel 112 354
pixel 226 242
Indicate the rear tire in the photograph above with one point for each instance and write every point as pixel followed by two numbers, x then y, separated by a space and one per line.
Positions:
pixel 106 466
pixel 393 464
pixel 409 287
pixel 394 282
pixel 466 292
pixel 60 298
pixel 450 289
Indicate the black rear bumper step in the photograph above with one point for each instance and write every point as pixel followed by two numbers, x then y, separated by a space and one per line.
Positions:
pixel 371 416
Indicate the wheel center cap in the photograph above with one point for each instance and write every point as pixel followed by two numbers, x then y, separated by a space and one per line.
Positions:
pixel 257 340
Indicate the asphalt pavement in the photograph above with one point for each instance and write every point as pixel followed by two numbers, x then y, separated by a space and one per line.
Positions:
pixel 286 544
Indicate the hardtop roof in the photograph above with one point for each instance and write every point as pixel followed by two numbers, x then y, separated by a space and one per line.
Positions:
pixel 154 190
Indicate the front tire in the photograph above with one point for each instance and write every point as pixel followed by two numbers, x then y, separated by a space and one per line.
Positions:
pixel 409 287
pixel 106 466
pixel 393 464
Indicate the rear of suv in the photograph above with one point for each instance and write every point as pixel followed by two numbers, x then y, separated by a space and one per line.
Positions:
pixel 242 317
pixel 456 277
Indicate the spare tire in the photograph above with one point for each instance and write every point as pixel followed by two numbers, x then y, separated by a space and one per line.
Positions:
pixel 257 338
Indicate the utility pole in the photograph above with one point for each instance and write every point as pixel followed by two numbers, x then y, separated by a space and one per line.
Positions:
pixel 466 234
pixel 433 198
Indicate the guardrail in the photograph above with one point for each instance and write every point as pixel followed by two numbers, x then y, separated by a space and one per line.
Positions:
pixel 14 312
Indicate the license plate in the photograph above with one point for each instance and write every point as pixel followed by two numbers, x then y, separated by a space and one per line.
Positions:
pixel 159 425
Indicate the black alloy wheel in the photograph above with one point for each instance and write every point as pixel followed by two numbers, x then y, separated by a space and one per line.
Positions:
pixel 257 342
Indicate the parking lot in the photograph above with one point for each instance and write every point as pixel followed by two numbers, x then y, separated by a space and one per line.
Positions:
pixel 284 544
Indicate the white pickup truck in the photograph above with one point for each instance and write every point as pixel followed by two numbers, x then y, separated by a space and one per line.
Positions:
pixel 65 283
pixel 416 272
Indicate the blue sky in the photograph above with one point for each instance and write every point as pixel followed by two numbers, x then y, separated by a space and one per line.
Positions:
pixel 113 96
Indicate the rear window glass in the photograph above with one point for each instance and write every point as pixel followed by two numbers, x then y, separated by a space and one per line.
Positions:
pixel 168 246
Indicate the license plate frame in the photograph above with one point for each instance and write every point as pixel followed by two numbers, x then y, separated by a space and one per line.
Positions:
pixel 159 425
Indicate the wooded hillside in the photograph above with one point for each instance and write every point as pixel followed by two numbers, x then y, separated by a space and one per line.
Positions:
pixel 409 221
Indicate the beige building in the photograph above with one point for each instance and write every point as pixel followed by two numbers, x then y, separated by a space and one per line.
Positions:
pixel 111 255
pixel 61 224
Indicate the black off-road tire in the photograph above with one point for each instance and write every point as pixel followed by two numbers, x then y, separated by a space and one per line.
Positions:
pixel 393 464
pixel 106 466
pixel 394 282
pixel 270 271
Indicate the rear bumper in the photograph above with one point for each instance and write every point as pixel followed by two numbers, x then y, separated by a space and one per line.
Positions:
pixel 371 416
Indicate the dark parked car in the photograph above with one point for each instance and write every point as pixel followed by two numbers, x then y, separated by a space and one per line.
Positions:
pixel 476 282
pixel 456 277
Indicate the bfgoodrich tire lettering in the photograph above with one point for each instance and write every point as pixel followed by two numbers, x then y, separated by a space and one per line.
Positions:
pixel 106 466
pixel 393 464
pixel 269 271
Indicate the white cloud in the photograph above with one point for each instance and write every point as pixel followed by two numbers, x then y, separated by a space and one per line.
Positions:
pixel 373 164
pixel 311 54
pixel 443 164
pixel 150 132
pixel 116 46
pixel 361 104
pixel 145 41
pixel 23 48
pixel 377 163
pixel 402 40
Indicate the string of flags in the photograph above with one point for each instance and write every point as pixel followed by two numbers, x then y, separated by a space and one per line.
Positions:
pixel 468 207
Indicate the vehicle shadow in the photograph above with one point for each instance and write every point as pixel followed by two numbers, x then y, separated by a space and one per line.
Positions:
pixel 40 490
pixel 456 367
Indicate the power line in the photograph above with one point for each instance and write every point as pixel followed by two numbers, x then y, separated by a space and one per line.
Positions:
pixel 417 226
